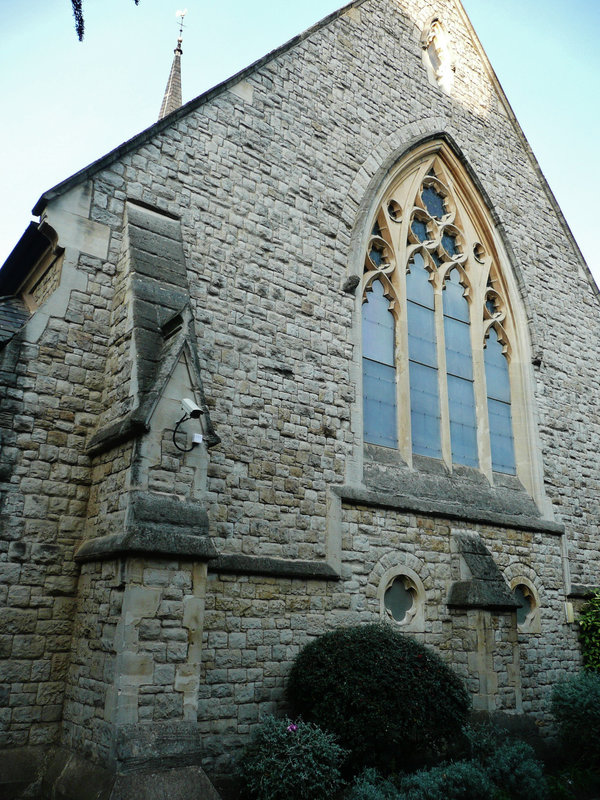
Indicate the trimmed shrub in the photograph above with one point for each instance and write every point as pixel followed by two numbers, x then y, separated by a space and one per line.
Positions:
pixel 291 761
pixel 509 763
pixel 589 633
pixel 576 708
pixel 388 699
pixel 460 780
pixel 516 771
pixel 370 785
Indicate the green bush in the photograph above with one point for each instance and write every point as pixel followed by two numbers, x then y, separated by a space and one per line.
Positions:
pixel 576 708
pixel 460 780
pixel 589 633
pixel 370 785
pixel 288 761
pixel 515 769
pixel 574 784
pixel 389 700
pixel 509 763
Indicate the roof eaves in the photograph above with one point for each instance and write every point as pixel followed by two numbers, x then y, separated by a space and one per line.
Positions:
pixel 25 254
pixel 144 136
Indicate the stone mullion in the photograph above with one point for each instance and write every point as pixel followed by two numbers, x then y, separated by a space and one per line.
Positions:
pixel 402 359
pixel 479 383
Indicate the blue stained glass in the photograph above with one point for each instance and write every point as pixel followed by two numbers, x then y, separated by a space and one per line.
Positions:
pixel 496 369
pixel 398 600
pixel 418 287
pixel 379 403
pixel 425 410
pixel 501 438
pixel 499 413
pixel 376 254
pixel 458 348
pixel 525 601
pixel 378 326
pixel 455 303
pixel 419 228
pixel 490 305
pixel 379 374
pixel 433 201
pixel 449 244
pixel 421 334
pixel 459 368
pixel 463 427
pixel 376 229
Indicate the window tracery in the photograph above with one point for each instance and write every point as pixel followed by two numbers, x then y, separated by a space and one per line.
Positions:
pixel 438 329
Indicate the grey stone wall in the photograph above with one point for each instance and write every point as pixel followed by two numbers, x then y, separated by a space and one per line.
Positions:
pixel 272 192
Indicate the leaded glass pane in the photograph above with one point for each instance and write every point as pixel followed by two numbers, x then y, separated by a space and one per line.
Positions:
pixel 449 244
pixel 419 228
pixel 398 600
pixel 463 428
pixel 496 369
pixel 525 601
pixel 376 253
pixel 421 334
pixel 455 303
pixel 458 348
pixel 378 326
pixel 425 410
pixel 418 287
pixel 379 403
pixel 499 413
pixel 501 438
pixel 433 201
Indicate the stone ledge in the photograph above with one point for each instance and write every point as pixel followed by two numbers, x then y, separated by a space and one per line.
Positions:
pixel 151 509
pixel 20 767
pixel 480 594
pixel 71 776
pixel 447 510
pixel 147 540
pixel 116 433
pixel 273 567
pixel 580 590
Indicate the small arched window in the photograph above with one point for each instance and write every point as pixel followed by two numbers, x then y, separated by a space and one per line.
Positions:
pixel 441 346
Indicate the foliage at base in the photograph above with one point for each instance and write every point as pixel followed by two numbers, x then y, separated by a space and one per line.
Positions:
pixel 510 764
pixel 291 761
pixel 461 780
pixel 370 785
pixel 388 699
pixel 589 633
pixel 576 708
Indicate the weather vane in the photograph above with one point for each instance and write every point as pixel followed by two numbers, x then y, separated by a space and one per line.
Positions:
pixel 181 14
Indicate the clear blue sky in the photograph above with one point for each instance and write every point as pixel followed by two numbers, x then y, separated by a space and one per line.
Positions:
pixel 66 104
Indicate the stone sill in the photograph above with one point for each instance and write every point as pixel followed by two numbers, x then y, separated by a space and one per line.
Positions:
pixel 355 495
pixel 273 567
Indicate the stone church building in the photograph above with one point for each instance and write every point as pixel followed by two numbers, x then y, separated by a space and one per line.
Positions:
pixel 316 349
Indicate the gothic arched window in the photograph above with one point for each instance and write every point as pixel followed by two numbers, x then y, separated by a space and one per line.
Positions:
pixel 442 354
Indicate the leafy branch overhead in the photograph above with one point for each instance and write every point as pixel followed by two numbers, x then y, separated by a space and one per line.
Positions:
pixel 78 14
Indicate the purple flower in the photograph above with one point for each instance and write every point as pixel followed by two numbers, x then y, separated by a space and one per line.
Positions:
pixel 292 728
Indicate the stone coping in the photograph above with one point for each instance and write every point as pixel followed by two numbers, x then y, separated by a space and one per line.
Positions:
pixel 580 590
pixel 274 567
pixel 356 495
pixel 147 542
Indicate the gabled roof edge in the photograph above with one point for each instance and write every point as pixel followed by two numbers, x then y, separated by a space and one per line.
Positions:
pixel 142 137
pixel 529 150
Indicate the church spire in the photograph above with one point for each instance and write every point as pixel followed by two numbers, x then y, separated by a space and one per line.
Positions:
pixel 172 98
